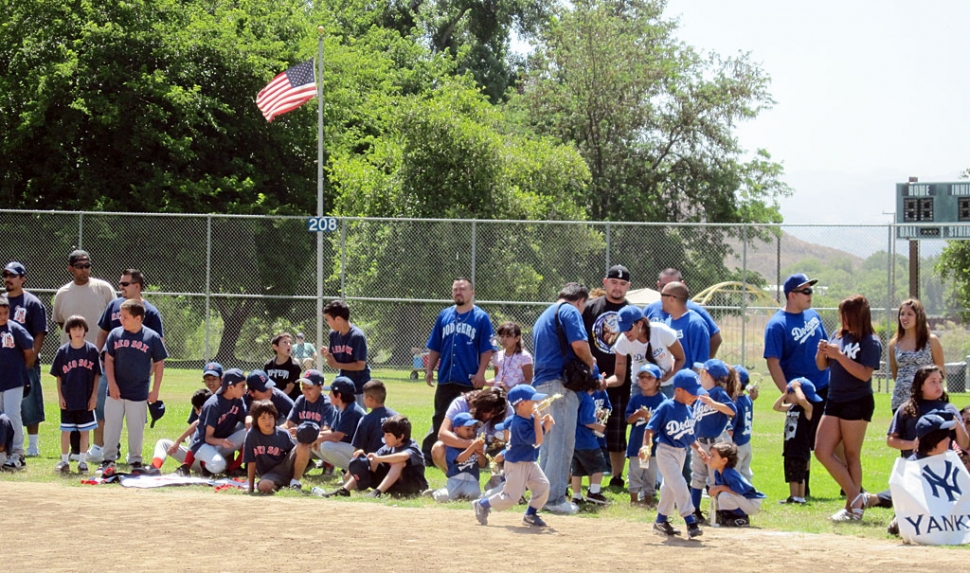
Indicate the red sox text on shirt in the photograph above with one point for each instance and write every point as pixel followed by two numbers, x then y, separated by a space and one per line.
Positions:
pixel 271 450
pixel 136 344
pixel 233 411
pixel 82 363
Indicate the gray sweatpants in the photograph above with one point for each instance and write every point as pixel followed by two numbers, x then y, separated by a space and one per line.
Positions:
pixel 641 478
pixel 117 413
pixel 520 476
pixel 673 491
pixel 217 458
pixel 744 461
pixel 729 501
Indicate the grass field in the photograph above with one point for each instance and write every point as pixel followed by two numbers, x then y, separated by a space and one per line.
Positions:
pixel 414 399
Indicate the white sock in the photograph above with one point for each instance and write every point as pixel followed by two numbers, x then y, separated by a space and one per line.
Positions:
pixel 295 482
pixel 82 457
pixel 577 495
pixel 594 488
pixel 798 498
pixel 66 458
pixel 32 440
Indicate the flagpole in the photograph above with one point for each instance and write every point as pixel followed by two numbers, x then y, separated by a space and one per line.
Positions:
pixel 319 339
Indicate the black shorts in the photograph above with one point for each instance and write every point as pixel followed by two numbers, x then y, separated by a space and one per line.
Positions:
pixel 852 410
pixel 78 420
pixel 616 424
pixel 589 462
pixel 796 469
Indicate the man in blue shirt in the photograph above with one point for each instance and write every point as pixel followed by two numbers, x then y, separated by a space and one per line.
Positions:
pixel 691 329
pixel 654 311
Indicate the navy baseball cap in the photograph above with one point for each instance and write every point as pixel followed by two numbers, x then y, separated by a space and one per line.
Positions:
pixel 213 369
pixel 716 368
pixel 314 377
pixel 651 369
pixel 934 420
pixel 15 268
pixel 307 432
pixel 798 280
pixel 627 316
pixel 808 389
pixel 618 272
pixel 463 420
pixel 743 376
pixel 232 377
pixel 524 392
pixel 689 381
pixel 156 410
pixel 259 381
pixel 78 255
pixel 342 385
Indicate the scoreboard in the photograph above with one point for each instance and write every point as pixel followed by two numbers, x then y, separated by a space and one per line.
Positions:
pixel 933 210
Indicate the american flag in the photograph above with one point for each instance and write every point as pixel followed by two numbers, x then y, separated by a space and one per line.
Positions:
pixel 287 91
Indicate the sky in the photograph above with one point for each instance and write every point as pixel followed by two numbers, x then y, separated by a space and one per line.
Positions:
pixel 867 94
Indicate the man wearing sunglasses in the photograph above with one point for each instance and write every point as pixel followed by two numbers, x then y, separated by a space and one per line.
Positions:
pixel 84 296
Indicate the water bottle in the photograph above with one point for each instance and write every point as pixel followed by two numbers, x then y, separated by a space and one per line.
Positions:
pixel 317 491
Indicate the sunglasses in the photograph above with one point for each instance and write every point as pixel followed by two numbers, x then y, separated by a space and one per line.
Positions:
pixel 668 295
pixel 124 283
pixel 10 275
pixel 804 290
pixel 82 266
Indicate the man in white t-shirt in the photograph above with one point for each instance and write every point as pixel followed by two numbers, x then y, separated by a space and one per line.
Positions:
pixel 640 336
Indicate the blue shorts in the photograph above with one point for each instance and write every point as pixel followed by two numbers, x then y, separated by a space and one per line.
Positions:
pixel 32 407
pixel 77 420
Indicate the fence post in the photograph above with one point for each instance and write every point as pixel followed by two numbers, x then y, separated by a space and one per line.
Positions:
pixel 208 278
pixel 80 230
pixel 607 269
pixel 343 259
pixel 474 247
pixel 744 291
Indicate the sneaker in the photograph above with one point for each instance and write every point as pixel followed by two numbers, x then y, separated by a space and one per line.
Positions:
pixel 700 517
pixel 617 481
pixel 62 467
pixel 841 515
pixel 792 501
pixel 151 471
pixel 740 521
pixel 481 512
pixel 328 470
pixel 33 452
pixel 694 530
pixel 107 468
pixel 534 520
pixel 295 485
pixel 597 498
pixel 893 528
pixel 184 470
pixel 664 528
pixel 578 501
pixel 563 508
pixel 82 467
pixel 375 493
pixel 96 455
pixel 339 492
pixel 136 466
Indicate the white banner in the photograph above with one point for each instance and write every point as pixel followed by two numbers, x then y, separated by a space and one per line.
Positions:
pixel 931 501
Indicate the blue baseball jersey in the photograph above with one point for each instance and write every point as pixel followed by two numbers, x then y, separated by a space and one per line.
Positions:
pixel 321 412
pixel 549 359
pixel 111 317
pixel 708 422
pixel 369 435
pixel 793 339
pixel 637 430
pixel 742 423
pixel 224 415
pixel 585 439
pixel 134 353
pixel 469 466
pixel 602 401
pixel 522 441
pixel 346 421
pixel 279 399
pixel 844 387
pixel 78 369
pixel 736 482
pixel 266 450
pixel 351 347
pixel 655 312
pixel 460 339
pixel 672 423
pixel 14 340
pixel 693 335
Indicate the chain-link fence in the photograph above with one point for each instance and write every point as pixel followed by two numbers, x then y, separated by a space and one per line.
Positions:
pixel 225 284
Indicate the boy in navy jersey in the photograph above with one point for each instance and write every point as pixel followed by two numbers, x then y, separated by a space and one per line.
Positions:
pixel 312 406
pixel 16 356
pixel 269 451
pixel 369 436
pixel 222 428
pixel 76 368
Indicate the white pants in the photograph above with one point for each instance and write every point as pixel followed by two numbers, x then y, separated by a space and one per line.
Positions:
pixel 337 454
pixel 161 452
pixel 461 486
pixel 10 405
pixel 730 501
pixel 673 491
pixel 116 413
pixel 216 458
pixel 641 478
pixel 744 461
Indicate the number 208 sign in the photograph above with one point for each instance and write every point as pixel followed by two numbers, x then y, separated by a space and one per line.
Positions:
pixel 321 224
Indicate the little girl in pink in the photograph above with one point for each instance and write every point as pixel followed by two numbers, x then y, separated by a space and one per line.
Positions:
pixel 513 364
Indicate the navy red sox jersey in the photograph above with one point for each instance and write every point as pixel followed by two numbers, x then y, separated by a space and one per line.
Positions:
pixel 134 353
pixel 78 369
pixel 369 435
pixel 346 421
pixel 14 339
pixel 111 317
pixel 283 374
pixel 709 422
pixel 351 347
pixel 266 450
pixel 27 311
pixel 279 399
pixel 320 411
pixel 222 414
pixel 672 424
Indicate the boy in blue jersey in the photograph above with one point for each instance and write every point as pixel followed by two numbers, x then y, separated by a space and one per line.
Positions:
pixel 742 422
pixel 464 465
pixel 526 431
pixel 268 451
pixel 588 458
pixel 77 369
pixel 736 497
pixel 643 471
pixel 673 425
pixel 369 436
pixel 222 428
pixel 347 349
pixel 16 356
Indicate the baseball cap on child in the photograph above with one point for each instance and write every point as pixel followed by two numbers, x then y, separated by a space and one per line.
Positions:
pixel 798 280
pixel 213 369
pixel 524 392
pixel 314 377
pixel 505 424
pixel 627 317
pixel 689 381
pixel 259 381
pixel 307 432
pixel 342 385
pixel 934 420
pixel 232 377
pixel 156 410
pixel 716 368
pixel 652 369
pixel 808 389
pixel 742 375
pixel 463 420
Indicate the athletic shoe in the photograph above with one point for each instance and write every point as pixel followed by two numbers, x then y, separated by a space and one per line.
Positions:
pixel 107 468
pixel 33 452
pixel 564 508
pixel 893 528
pixel 694 530
pixel 339 492
pixel 664 528
pixel 82 467
pixel 617 481
pixel 63 467
pixel 578 501
pixel 151 471
pixel 296 485
pixel 841 515
pixel 597 498
pixel 375 493
pixel 481 512
pixel 534 520
pixel 700 517
pixel 96 454
pixel 792 501
pixel 184 470
pixel 136 466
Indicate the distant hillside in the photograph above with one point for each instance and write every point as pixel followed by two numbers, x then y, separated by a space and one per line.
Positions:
pixel 764 258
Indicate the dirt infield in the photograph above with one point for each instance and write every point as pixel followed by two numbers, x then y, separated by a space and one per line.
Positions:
pixel 50 527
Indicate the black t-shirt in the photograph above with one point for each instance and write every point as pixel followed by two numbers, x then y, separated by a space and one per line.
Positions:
pixel 600 319
pixel 283 374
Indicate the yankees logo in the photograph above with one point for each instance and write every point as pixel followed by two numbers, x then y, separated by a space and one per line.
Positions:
pixel 804 333
pixel 947 482
pixel 851 350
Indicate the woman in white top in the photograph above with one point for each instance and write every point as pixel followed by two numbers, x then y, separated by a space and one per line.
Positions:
pixel 646 342
pixel 913 346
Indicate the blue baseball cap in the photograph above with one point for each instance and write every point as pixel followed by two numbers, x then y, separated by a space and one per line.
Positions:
pixel 652 369
pixel 934 420
pixel 524 392
pixel 307 432
pixel 342 385
pixel 314 377
pixel 463 420
pixel 505 424
pixel 232 377
pixel 808 389
pixel 689 381
pixel 259 381
pixel 716 368
pixel 213 369
pixel 796 281
pixel 627 316
pixel 743 376
pixel 15 268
